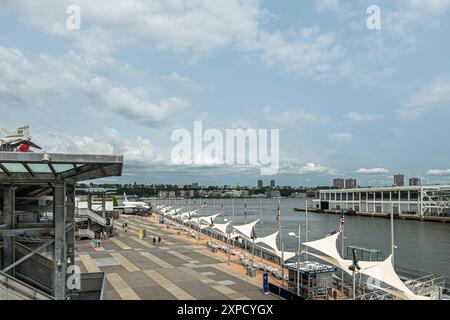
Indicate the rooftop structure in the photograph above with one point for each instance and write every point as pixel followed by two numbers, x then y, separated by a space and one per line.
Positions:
pixel 37 220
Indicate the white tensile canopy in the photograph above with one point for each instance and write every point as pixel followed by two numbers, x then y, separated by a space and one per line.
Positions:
pixel 286 255
pixel 186 214
pixel 382 271
pixel 222 228
pixel 207 219
pixel 246 229
pixel 270 240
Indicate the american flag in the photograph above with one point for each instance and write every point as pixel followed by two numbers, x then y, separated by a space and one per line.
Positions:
pixel 245 212
pixel 278 215
pixel 341 224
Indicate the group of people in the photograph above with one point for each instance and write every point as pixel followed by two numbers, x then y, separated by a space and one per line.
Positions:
pixel 125 228
pixel 154 240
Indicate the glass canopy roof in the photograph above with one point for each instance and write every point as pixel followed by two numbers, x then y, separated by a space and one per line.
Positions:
pixel 37 167
pixel 30 166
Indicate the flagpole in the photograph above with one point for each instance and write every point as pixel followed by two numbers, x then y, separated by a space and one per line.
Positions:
pixel 260 222
pixel 306 239
pixel 342 254
pixel 198 225
pixel 245 221
pixel 233 213
pixel 279 223
pixel 230 228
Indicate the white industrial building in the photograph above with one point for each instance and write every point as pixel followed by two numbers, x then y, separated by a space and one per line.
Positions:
pixel 431 200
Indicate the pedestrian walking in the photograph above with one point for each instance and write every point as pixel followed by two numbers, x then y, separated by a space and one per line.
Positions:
pixel 154 240
pixel 159 240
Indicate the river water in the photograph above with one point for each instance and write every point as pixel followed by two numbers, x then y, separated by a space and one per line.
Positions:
pixel 423 246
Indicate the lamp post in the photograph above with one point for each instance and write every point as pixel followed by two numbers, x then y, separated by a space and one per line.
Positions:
pixel 253 236
pixel 292 234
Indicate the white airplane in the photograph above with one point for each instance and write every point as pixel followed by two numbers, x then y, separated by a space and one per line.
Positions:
pixel 20 141
pixel 132 205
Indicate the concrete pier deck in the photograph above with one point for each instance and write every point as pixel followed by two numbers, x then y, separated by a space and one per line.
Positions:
pixel 177 269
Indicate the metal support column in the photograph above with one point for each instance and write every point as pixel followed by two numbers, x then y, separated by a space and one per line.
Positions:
pixel 70 235
pixel 9 220
pixel 59 262
pixel 103 205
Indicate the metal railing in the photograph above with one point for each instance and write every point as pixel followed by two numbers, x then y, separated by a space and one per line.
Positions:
pixel 20 289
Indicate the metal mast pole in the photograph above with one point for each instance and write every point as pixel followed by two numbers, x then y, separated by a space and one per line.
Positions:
pixel 354 283
pixel 229 229
pixel 392 236
pixel 260 217
pixel 253 248
pixel 342 254
pixel 307 230
pixel 198 225
pixel 233 214
pixel 279 226
pixel 298 262
pixel 282 261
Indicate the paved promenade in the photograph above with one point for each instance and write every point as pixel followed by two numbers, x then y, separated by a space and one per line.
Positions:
pixel 177 269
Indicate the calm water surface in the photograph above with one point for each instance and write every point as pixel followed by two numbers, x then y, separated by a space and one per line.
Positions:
pixel 423 246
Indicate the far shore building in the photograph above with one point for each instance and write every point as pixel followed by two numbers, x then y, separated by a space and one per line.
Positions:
pixel 260 184
pixel 430 200
pixel 399 180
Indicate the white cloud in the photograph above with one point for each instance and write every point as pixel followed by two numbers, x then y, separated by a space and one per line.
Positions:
pixel 326 5
pixel 372 171
pixel 191 29
pixel 343 136
pixel 428 99
pixel 434 7
pixel 363 117
pixel 309 168
pixel 283 117
pixel 184 81
pixel 54 83
pixel 438 172
pixel 136 150
pixel 133 105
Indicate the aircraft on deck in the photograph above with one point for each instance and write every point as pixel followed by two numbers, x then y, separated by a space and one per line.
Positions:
pixel 20 141
pixel 133 205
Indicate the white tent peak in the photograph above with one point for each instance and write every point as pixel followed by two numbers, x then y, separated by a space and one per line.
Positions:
pixel 246 229
pixel 270 240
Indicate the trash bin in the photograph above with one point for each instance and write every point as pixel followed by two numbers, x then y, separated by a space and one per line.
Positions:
pixel 251 272
pixel 266 283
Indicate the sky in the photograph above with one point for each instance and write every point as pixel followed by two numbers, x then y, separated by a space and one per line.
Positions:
pixel 348 100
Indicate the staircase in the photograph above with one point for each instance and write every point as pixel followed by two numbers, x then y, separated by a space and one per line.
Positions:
pixel 86 233
pixel 14 289
pixel 91 215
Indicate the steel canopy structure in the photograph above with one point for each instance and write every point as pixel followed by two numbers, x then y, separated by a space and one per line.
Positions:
pixel 37 204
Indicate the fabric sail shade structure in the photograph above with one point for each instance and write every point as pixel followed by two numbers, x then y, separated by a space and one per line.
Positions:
pixel 382 271
pixel 246 229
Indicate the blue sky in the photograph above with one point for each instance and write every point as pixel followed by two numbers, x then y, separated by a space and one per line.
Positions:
pixel 348 101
